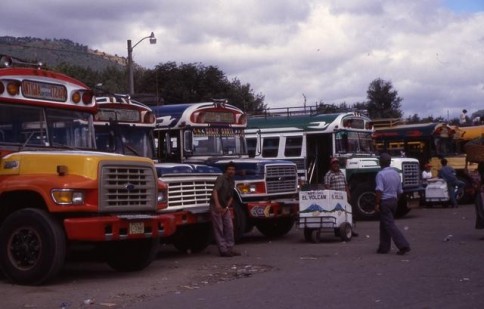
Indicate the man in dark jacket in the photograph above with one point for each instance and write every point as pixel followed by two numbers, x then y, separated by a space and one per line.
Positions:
pixel 220 202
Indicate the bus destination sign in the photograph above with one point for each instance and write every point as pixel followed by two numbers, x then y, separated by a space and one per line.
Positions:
pixel 44 91
pixel 125 115
pixel 218 117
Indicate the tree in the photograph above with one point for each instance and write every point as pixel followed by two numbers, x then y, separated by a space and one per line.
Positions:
pixel 194 82
pixel 327 108
pixel 413 119
pixel 383 100
pixel 112 78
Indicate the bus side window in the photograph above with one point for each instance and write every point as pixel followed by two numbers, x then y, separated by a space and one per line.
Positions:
pixel 293 146
pixel 251 146
pixel 270 147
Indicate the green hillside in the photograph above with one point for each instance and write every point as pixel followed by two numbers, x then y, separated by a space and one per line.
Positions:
pixel 54 52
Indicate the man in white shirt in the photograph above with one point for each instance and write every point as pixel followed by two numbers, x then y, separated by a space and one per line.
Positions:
pixel 426 173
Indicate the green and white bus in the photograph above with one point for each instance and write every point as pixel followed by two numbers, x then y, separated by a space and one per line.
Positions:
pixel 312 139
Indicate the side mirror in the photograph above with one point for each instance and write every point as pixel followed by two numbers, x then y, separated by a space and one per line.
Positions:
pixel 167 144
pixel 188 141
pixel 259 143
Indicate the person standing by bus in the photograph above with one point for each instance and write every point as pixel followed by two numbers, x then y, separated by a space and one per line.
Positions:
pixel 463 119
pixel 220 202
pixel 448 174
pixel 426 174
pixel 336 180
pixel 388 189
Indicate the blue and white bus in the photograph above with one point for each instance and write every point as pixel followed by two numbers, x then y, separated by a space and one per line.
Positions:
pixel 213 133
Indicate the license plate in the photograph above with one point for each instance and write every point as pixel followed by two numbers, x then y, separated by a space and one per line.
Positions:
pixel 136 228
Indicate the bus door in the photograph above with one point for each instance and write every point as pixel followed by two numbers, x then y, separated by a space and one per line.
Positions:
pixel 319 150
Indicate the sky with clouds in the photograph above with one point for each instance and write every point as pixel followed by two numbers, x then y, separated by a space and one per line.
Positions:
pixel 322 50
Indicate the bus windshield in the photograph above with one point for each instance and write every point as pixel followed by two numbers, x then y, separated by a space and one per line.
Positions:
pixel 209 142
pixel 32 126
pixel 353 142
pixel 128 140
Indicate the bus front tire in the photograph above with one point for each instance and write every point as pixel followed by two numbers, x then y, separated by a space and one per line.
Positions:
pixel 363 202
pixel 131 255
pixel 240 222
pixel 275 227
pixel 193 238
pixel 33 247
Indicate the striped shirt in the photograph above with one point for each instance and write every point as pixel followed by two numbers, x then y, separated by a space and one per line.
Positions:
pixel 335 180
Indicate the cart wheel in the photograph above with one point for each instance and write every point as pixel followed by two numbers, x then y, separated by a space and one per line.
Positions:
pixel 307 234
pixel 312 235
pixel 316 235
pixel 345 231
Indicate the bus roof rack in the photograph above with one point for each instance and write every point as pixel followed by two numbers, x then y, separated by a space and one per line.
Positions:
pixel 299 111
pixel 387 122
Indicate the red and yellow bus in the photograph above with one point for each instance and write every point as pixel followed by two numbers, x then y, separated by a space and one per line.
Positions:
pixel 56 190
pixel 429 143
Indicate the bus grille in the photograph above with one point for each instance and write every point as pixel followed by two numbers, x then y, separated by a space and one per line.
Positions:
pixel 127 187
pixel 411 174
pixel 188 193
pixel 281 179
pixel 300 163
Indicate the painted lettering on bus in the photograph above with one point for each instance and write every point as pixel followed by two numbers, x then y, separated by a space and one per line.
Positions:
pixel 45 91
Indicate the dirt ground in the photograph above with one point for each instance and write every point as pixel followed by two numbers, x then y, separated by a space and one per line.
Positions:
pixel 443 270
pixel 84 284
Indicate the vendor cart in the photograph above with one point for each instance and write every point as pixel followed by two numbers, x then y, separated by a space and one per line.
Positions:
pixel 325 211
pixel 436 192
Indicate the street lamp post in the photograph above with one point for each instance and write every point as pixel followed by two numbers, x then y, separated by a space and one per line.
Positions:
pixel 130 60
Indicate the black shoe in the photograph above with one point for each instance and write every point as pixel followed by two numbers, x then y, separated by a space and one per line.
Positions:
pixel 403 251
pixel 226 254
pixel 380 251
pixel 234 253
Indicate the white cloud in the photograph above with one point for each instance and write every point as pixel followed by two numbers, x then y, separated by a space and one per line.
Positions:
pixel 327 50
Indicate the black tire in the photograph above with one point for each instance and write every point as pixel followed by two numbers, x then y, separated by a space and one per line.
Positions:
pixel 240 222
pixel 193 238
pixel 465 196
pixel 131 255
pixel 33 247
pixel 345 231
pixel 363 202
pixel 275 227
